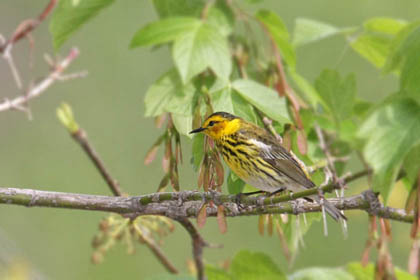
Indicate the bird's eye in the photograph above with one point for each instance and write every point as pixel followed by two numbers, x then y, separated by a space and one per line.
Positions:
pixel 211 123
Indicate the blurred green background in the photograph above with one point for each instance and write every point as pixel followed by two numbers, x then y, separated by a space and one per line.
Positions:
pixel 108 104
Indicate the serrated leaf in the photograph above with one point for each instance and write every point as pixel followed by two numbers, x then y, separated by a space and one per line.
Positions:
pixel 324 273
pixel 164 31
pixel 68 17
pixel 247 265
pixel 374 47
pixel 390 131
pixel 398 47
pixel 280 35
pixel 221 16
pixel 168 94
pixel 338 94
pixel 384 25
pixel 264 99
pixel 200 48
pixel 308 31
pixel 170 8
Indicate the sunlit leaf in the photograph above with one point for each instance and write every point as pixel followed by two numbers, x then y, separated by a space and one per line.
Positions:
pixel 168 94
pixel 68 17
pixel 339 94
pixel 384 25
pixel 375 48
pixel 221 16
pixel 308 31
pixel 164 31
pixel 200 48
pixel 264 98
pixel 391 131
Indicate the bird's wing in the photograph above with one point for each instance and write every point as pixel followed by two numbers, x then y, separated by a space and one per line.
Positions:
pixel 283 162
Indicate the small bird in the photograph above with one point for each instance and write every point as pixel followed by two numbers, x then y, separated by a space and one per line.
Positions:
pixel 258 158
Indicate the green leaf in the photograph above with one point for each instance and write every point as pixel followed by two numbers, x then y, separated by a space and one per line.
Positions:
pixel 70 15
pixel 214 273
pixel 264 99
pixel 390 132
pixel 197 150
pixel 200 48
pixel 164 31
pixel 374 47
pixel 412 164
pixel 221 16
pixel 316 273
pixel 367 272
pixel 375 42
pixel 339 95
pixel 222 100
pixel 384 25
pixel 308 31
pixel 400 47
pixel 168 94
pixel 409 54
pixel 170 8
pixel 280 35
pixel 183 124
pixel 309 91
pixel 234 184
pixel 252 266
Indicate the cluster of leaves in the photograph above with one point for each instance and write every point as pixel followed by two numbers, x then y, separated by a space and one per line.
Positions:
pixel 247 265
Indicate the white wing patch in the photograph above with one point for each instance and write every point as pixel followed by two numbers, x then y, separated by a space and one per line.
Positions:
pixel 261 145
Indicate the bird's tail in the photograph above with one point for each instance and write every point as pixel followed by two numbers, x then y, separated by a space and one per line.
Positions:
pixel 333 211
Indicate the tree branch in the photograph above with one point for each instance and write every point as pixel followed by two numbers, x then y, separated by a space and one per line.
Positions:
pixel 187 204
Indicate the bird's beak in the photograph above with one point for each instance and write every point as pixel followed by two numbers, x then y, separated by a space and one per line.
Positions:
pixel 197 130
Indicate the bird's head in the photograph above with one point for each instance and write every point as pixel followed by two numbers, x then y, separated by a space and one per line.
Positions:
pixel 219 124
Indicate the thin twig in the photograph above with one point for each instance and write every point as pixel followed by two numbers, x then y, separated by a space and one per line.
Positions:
pixel 80 137
pixel 198 243
pixel 35 91
pixel 282 86
pixel 22 30
pixel 151 244
pixel 28 26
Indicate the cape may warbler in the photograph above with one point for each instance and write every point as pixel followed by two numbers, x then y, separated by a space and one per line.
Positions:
pixel 258 158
